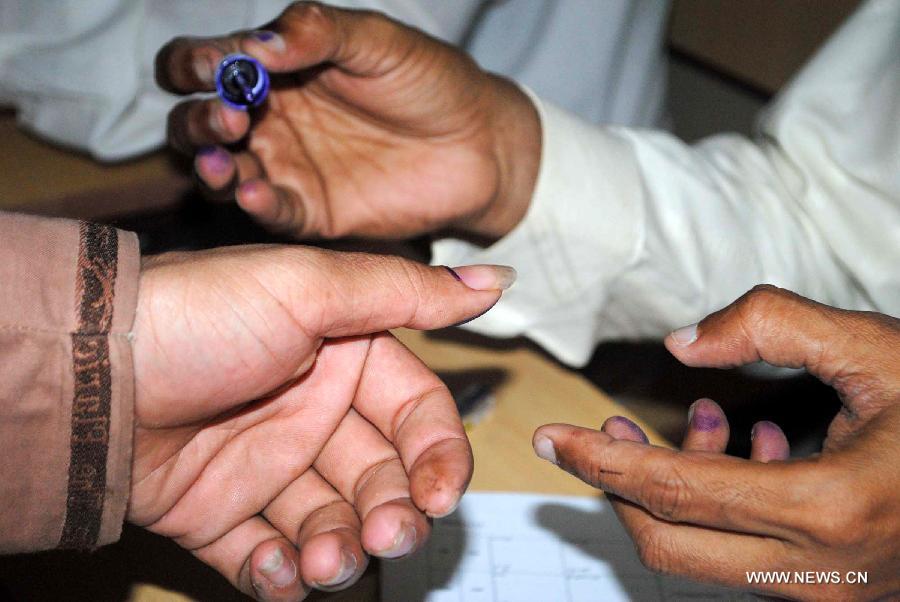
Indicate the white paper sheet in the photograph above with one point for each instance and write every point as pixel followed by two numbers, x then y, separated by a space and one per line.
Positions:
pixel 507 547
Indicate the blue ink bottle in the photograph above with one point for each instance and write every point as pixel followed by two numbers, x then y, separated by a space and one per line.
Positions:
pixel 242 82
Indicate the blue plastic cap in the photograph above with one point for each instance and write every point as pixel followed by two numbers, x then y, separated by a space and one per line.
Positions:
pixel 242 82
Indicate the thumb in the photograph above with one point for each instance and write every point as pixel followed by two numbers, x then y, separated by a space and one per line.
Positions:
pixel 360 294
pixel 842 348
pixel 306 34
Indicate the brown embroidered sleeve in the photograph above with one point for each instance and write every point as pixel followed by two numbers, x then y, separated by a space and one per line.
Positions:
pixel 68 293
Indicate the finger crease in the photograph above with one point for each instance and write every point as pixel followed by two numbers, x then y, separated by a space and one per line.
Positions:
pixel 369 474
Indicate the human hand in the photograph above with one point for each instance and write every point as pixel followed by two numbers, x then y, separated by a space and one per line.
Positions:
pixel 371 128
pixel 701 514
pixel 271 409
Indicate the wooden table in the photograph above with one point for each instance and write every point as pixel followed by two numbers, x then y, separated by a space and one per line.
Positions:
pixel 535 390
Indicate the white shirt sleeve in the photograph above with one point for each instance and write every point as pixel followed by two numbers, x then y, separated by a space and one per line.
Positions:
pixel 632 233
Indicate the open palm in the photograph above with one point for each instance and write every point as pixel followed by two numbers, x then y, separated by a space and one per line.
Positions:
pixel 270 405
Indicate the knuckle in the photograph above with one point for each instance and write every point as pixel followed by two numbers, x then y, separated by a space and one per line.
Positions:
pixel 313 15
pixel 665 493
pixel 412 278
pixel 842 526
pixel 654 548
pixel 843 520
pixel 587 468
pixel 765 312
pixel 759 301
pixel 371 20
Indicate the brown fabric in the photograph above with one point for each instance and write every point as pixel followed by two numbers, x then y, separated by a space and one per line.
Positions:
pixel 68 293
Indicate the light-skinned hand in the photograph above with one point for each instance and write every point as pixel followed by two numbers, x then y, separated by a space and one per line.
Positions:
pixel 281 434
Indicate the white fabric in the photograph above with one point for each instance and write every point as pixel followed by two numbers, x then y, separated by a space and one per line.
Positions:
pixel 81 71
pixel 600 59
pixel 632 233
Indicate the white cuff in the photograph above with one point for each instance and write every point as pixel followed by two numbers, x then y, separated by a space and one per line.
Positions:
pixel 582 229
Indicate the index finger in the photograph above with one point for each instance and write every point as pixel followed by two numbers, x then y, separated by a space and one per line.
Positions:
pixel 417 414
pixel 700 488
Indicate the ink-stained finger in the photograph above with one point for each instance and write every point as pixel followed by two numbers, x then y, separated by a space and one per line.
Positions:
pixel 216 169
pixel 308 34
pixel 768 442
pixel 707 428
pixel 712 490
pixel 620 427
pixel 221 172
pixel 278 208
pixel 375 293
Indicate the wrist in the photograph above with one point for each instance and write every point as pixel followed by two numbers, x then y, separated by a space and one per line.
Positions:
pixel 517 152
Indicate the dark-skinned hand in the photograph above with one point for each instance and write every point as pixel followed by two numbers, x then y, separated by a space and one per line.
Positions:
pixel 700 514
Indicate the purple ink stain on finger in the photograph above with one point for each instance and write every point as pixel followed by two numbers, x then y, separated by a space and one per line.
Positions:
pixel 475 317
pixel 453 273
pixel 251 187
pixel 215 158
pixel 704 422
pixel 631 426
pixel 764 425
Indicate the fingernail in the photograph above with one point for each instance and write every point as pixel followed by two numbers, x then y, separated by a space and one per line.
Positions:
pixel 216 124
pixel 250 186
pixel 451 505
pixel 544 449
pixel 270 40
pixel 204 70
pixel 449 511
pixel 403 544
pixel 485 277
pixel 280 571
pixel 763 424
pixel 620 427
pixel 685 336
pixel 347 570
pixel 703 418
